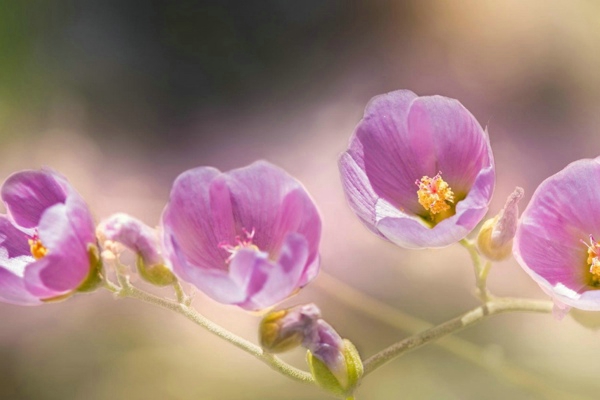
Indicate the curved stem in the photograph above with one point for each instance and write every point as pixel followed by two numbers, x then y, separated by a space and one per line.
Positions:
pixel 471 352
pixel 181 296
pixel 454 325
pixel 190 313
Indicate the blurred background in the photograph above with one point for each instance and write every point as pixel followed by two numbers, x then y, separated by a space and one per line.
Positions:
pixel 122 96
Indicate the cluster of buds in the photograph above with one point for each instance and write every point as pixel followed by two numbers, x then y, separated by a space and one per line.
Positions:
pixel 334 362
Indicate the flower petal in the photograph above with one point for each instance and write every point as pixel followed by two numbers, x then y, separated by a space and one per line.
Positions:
pixel 258 192
pixel 188 218
pixel 358 190
pixel 12 290
pixel 13 240
pixel 215 283
pixel 68 261
pixel 298 214
pixel 393 156
pixel 460 145
pixel 283 278
pixel 562 213
pixel 40 285
pixel 28 193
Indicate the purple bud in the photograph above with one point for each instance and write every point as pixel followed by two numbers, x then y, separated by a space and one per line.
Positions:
pixel 284 330
pixel 325 344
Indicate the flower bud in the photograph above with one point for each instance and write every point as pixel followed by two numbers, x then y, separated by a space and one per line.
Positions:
pixel 496 234
pixel 284 330
pixel 334 362
pixel 140 238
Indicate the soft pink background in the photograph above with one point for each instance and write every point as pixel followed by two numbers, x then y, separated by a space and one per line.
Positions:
pixel 82 95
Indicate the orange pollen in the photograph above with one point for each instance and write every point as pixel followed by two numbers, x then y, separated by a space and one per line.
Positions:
pixel 434 194
pixel 593 259
pixel 241 244
pixel 37 248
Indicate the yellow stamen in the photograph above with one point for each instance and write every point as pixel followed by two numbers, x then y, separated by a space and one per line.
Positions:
pixel 434 194
pixel 593 260
pixel 37 248
pixel 595 269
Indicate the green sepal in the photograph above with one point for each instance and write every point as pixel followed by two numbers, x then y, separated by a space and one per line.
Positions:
pixel 158 274
pixel 327 380
pixel 94 278
pixel 486 246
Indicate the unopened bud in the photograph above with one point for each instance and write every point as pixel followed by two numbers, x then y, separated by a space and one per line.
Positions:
pixel 284 330
pixel 496 234
pixel 334 362
pixel 141 239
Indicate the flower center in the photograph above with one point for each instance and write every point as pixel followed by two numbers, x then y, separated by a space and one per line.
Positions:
pixel 434 194
pixel 36 247
pixel 241 243
pixel 593 260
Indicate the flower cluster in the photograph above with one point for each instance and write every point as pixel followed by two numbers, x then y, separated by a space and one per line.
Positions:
pixel 418 172
pixel 247 237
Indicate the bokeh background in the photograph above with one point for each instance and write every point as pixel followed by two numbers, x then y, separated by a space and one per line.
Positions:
pixel 122 96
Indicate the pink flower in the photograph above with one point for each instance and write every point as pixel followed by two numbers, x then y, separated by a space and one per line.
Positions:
pixel 47 241
pixel 556 240
pixel 433 142
pixel 247 237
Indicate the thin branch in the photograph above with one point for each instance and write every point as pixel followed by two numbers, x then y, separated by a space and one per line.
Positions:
pixel 383 312
pixel 194 316
pixel 454 325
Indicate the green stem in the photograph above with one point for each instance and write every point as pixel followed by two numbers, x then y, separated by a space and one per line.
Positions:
pixel 182 298
pixel 481 271
pixel 190 313
pixel 497 306
pixel 383 312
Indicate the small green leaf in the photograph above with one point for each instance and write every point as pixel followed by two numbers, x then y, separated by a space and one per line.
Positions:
pixel 158 275
pixel 328 381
